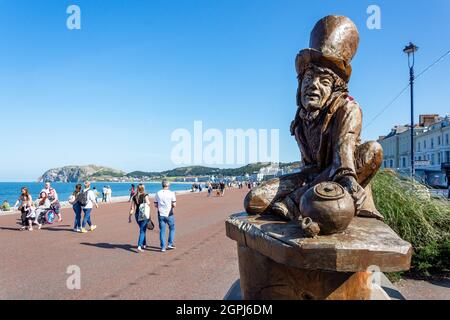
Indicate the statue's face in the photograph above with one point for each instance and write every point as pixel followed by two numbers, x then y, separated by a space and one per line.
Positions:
pixel 316 88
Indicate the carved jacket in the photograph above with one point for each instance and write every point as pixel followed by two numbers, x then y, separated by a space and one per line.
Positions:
pixel 329 139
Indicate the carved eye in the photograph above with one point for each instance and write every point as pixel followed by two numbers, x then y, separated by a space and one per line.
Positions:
pixel 326 81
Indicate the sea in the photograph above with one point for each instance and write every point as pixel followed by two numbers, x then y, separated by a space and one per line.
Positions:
pixel 11 190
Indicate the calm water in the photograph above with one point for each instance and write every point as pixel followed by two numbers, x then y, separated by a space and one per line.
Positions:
pixel 11 190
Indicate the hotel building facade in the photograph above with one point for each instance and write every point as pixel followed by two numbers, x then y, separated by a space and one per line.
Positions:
pixel 431 149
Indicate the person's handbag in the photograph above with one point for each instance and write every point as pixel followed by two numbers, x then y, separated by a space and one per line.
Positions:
pixel 144 211
pixel 150 225
pixel 72 199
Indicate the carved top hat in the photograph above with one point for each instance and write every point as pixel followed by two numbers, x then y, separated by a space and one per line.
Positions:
pixel 333 44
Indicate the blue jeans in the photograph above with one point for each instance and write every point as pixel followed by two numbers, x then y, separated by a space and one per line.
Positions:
pixel 87 217
pixel 170 220
pixel 77 209
pixel 142 241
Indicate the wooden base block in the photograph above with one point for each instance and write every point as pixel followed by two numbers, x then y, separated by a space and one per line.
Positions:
pixel 265 279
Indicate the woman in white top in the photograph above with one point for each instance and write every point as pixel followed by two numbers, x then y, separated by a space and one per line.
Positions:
pixel 91 200
pixel 109 194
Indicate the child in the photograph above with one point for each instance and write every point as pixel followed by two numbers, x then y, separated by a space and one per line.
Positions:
pixel 28 217
pixel 25 200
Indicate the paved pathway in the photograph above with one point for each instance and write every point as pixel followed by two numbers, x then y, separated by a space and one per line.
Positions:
pixel 33 264
pixel 425 290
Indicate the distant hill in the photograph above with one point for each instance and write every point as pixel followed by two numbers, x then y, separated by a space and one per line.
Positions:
pixel 191 171
pixel 80 173
pixel 248 169
pixel 207 171
pixel 99 173
pixel 197 171
pixel 141 174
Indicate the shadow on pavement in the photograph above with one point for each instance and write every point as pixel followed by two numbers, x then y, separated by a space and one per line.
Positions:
pixel 10 228
pixel 153 248
pixel 66 228
pixel 441 283
pixel 44 228
pixel 104 245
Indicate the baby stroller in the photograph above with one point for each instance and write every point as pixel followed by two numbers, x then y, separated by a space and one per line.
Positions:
pixel 45 216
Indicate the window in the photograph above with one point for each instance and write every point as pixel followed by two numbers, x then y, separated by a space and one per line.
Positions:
pixel 432 143
pixel 448 156
pixel 446 139
pixel 439 158
pixel 439 140
pixel 418 146
pixel 384 163
pixel 391 163
pixel 424 144
pixel 432 159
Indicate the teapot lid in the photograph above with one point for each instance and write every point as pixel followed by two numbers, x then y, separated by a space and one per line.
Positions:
pixel 329 190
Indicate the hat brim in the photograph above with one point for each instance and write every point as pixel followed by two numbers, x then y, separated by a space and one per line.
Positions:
pixel 339 66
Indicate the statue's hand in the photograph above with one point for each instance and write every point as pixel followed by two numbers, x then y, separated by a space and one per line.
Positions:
pixel 356 191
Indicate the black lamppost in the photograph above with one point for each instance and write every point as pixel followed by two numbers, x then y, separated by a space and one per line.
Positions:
pixel 410 49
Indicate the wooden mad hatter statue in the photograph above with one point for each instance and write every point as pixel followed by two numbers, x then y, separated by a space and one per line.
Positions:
pixel 327 128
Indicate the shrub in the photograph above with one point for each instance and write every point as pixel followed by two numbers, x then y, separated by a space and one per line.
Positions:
pixel 418 218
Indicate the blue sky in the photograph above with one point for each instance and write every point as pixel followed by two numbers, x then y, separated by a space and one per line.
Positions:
pixel 113 92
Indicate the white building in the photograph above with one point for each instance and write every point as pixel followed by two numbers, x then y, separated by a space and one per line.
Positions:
pixel 390 144
pixel 431 149
pixel 397 148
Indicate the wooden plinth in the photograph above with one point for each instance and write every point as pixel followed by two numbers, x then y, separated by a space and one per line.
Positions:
pixel 277 262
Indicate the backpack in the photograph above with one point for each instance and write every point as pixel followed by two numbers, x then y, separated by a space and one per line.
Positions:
pixel 82 198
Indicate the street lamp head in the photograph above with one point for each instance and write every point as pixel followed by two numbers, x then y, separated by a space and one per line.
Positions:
pixel 410 48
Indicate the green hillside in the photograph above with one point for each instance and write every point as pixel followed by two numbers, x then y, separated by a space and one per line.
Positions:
pixel 99 173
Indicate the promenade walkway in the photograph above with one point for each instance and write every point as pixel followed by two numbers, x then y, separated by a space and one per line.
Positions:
pixel 33 264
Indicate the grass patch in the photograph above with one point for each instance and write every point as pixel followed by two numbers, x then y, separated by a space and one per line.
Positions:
pixel 418 218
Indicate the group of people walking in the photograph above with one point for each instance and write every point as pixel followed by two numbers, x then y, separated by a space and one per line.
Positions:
pixel 31 211
pixel 106 194
pixel 165 203
pixel 219 187
pixel 84 199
